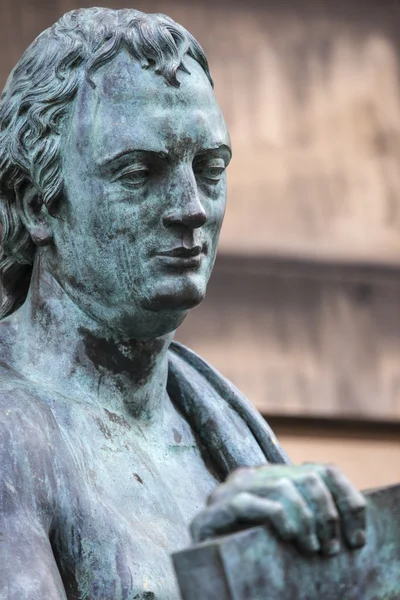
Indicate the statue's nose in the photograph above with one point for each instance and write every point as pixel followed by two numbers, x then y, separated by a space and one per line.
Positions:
pixel 190 214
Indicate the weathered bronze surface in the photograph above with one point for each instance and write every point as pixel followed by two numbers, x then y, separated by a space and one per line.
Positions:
pixel 255 565
pixel 113 153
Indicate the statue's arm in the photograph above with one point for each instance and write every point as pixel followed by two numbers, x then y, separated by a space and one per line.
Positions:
pixel 28 569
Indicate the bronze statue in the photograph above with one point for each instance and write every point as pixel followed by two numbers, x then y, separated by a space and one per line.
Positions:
pixel 113 153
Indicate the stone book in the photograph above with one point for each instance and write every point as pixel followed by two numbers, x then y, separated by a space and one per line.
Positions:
pixel 255 565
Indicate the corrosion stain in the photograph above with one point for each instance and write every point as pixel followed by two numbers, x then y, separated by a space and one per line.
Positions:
pixel 103 428
pixel 119 419
pixel 177 436
pixel 117 358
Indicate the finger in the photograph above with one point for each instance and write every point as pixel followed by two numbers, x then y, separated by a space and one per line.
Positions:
pixel 284 496
pixel 287 512
pixel 350 503
pixel 240 511
pixel 219 519
pixel 318 497
pixel 300 513
pixel 252 510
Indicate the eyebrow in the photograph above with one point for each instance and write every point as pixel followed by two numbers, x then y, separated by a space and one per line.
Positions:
pixel 219 146
pixel 122 153
pixel 161 153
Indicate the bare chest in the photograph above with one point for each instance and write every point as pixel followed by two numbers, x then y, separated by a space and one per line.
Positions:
pixel 128 505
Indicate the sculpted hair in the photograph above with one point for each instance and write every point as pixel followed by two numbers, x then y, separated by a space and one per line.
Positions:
pixel 36 102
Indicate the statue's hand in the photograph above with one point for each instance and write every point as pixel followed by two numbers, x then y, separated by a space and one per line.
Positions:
pixel 307 504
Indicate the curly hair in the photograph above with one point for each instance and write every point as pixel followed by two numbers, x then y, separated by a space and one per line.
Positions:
pixel 37 100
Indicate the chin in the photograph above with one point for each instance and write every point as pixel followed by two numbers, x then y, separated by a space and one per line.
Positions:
pixel 179 295
pixel 161 310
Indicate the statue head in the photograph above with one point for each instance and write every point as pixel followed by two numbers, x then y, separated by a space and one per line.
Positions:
pixel 113 153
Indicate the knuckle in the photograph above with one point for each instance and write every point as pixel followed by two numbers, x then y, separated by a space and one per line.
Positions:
pixel 301 478
pixel 278 512
pixel 310 481
pixel 333 472
pixel 320 495
pixel 239 501
pixel 285 487
pixel 311 478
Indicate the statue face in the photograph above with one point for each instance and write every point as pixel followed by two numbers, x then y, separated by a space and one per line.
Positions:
pixel 145 192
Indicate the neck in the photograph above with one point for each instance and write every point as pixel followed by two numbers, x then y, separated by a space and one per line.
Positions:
pixel 57 344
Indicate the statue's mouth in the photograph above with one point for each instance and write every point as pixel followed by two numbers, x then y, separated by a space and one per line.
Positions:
pixel 183 252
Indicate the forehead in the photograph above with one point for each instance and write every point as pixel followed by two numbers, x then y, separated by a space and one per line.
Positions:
pixel 130 107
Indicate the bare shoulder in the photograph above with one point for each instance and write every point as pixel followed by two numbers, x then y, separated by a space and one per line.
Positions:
pixel 29 448
pixel 22 408
pixel 24 416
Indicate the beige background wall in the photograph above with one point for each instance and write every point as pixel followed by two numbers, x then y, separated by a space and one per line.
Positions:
pixel 368 461
pixel 303 340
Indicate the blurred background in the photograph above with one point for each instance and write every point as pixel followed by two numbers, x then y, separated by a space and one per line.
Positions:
pixel 303 308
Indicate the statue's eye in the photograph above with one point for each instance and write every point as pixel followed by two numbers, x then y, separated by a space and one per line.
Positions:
pixel 134 177
pixel 210 172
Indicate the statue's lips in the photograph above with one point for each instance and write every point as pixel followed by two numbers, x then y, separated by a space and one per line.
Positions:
pixel 183 257
pixel 182 252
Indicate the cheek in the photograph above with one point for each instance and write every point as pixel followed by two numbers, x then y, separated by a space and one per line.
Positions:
pixel 216 212
pixel 128 211
pixel 128 230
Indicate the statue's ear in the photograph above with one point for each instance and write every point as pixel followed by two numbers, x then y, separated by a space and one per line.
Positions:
pixel 34 215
